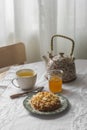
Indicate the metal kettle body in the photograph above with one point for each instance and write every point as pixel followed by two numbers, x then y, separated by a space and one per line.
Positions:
pixel 62 62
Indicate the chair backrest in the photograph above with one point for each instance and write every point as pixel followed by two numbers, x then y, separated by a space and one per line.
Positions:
pixel 12 55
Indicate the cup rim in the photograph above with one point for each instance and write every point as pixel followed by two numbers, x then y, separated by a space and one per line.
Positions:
pixel 26 70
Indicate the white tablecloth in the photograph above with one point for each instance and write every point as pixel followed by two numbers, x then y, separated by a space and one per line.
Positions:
pixel 13 115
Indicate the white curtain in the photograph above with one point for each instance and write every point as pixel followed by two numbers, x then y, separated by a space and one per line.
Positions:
pixel 6 22
pixel 48 24
pixel 35 21
pixel 72 22
pixel 19 21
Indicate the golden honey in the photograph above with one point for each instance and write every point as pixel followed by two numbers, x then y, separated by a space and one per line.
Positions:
pixel 55 84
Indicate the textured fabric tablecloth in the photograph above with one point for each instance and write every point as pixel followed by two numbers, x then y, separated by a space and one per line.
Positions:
pixel 13 115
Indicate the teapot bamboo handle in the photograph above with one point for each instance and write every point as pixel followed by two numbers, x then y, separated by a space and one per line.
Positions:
pixel 73 43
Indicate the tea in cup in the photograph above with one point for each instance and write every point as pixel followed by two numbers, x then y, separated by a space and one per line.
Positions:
pixel 55 80
pixel 26 78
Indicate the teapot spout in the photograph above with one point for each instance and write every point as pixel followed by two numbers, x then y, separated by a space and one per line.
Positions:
pixel 46 59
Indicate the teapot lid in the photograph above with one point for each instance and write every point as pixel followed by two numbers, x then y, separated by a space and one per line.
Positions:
pixel 62 57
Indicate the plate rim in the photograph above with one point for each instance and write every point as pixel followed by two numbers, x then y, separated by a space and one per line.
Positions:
pixel 57 111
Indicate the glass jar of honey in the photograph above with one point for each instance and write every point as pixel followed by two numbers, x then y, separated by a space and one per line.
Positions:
pixel 55 80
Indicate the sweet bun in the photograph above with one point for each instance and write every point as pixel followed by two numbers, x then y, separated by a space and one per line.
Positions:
pixel 45 101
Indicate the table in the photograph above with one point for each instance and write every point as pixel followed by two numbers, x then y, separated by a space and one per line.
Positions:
pixel 13 115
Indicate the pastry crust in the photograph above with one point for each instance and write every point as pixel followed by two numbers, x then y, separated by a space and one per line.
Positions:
pixel 45 101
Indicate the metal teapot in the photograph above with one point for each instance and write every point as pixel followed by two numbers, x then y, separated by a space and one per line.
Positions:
pixel 65 63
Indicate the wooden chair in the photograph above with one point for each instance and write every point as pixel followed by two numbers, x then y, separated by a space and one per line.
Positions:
pixel 12 54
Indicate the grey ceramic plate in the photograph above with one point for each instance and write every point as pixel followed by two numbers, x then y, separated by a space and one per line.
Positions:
pixel 64 105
